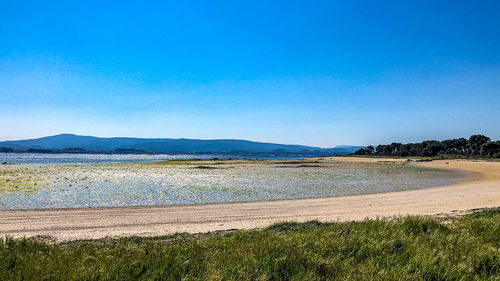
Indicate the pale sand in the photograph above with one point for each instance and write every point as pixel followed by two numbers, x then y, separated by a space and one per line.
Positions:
pixel 69 224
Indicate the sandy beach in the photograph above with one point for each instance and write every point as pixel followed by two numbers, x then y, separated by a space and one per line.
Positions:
pixel 68 224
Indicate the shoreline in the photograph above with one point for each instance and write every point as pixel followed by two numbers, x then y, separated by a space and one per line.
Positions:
pixel 93 223
pixel 468 177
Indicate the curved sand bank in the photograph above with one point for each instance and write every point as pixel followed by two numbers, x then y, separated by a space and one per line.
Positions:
pixel 68 224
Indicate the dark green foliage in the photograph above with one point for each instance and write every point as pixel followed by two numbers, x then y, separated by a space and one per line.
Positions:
pixel 365 150
pixel 476 145
pixel 476 141
pixel 455 146
pixel 413 248
pixel 490 149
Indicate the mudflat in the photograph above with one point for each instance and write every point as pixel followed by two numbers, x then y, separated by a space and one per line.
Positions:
pixel 481 190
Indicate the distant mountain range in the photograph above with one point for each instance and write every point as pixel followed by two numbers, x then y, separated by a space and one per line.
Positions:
pixel 70 143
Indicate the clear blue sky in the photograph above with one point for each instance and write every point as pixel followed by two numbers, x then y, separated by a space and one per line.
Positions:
pixel 318 73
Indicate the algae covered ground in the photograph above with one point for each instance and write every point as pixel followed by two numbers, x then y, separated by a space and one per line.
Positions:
pixel 411 248
pixel 177 182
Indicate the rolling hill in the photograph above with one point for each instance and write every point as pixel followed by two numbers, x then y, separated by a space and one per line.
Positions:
pixel 167 145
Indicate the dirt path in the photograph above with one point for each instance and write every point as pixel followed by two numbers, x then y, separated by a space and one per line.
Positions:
pixel 68 224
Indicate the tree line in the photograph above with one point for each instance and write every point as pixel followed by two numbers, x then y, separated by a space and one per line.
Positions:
pixel 476 145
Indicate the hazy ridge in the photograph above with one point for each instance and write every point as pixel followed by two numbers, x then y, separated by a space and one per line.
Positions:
pixel 167 145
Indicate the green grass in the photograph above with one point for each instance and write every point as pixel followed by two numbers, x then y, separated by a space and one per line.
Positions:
pixel 412 248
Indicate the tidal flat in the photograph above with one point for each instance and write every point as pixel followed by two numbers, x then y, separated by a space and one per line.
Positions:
pixel 177 182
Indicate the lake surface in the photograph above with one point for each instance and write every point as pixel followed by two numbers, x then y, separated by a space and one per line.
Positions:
pixel 35 186
pixel 47 158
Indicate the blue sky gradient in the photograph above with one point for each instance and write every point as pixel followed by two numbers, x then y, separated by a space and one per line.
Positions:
pixel 320 73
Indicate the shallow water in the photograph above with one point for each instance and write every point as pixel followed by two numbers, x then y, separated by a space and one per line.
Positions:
pixel 59 158
pixel 109 185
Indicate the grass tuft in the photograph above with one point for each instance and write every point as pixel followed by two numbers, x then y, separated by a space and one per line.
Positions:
pixel 421 225
pixel 295 226
pixel 486 213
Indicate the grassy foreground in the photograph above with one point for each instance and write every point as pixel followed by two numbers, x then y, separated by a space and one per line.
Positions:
pixel 413 248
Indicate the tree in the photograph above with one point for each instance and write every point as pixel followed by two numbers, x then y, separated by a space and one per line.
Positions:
pixel 365 151
pixel 455 146
pixel 384 150
pixel 432 148
pixel 396 148
pixel 361 151
pixel 475 143
pixel 490 149
pixel 370 149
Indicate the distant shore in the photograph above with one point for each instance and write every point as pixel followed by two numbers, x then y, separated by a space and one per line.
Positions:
pixel 68 224
pixel 141 152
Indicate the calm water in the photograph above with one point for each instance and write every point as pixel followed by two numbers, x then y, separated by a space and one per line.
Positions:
pixel 42 158
pixel 109 185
